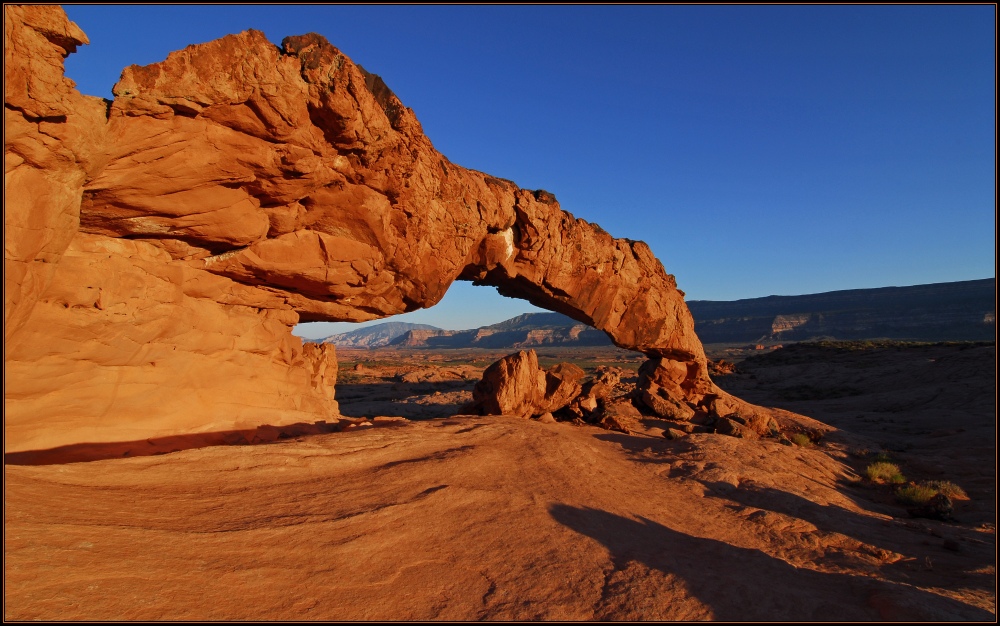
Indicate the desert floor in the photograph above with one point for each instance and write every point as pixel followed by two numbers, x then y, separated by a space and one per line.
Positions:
pixel 453 517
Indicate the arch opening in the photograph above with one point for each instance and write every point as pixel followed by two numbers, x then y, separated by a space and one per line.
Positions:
pixel 413 366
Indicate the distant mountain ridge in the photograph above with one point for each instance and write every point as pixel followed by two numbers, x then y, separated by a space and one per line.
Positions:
pixel 956 311
pixel 374 336
pixel 524 331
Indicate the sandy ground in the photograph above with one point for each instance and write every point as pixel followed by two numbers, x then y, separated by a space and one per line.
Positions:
pixel 470 518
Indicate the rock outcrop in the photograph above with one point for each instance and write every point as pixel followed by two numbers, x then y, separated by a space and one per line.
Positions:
pixel 54 140
pixel 160 248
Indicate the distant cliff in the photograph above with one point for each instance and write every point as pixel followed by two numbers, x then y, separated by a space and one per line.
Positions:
pixel 958 311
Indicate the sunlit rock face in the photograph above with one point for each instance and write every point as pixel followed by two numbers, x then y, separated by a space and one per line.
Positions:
pixel 159 248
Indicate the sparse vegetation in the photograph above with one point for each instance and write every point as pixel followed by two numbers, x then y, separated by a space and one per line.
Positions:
pixel 801 440
pixel 346 377
pixel 915 494
pixel 948 488
pixel 921 494
pixel 883 472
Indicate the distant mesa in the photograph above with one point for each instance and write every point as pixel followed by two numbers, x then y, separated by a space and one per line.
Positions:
pixel 955 311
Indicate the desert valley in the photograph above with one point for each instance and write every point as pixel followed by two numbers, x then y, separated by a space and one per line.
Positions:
pixel 173 451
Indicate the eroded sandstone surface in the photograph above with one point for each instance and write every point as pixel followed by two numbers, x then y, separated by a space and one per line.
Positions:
pixel 486 518
pixel 159 248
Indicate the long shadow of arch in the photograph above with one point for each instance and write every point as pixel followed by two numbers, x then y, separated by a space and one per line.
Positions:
pixel 825 517
pixel 741 584
pixel 978 554
pixel 99 451
pixel 833 518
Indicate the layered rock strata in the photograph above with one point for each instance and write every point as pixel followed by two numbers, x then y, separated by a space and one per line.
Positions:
pixel 159 248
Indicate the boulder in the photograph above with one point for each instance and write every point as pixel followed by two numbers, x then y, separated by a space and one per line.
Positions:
pixel 514 385
pixel 683 391
pixel 562 385
pixel 939 507
pixel 674 433
pixel 663 405
pixel 619 415
pixel 609 376
pixel 734 428
pixel 547 418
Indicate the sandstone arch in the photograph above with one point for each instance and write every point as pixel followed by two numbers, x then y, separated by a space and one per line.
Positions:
pixel 234 190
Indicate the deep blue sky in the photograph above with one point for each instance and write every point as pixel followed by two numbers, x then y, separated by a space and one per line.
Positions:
pixel 758 150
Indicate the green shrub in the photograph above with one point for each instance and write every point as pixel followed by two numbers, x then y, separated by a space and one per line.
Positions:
pixel 915 495
pixel 948 488
pixel 883 472
pixel 801 439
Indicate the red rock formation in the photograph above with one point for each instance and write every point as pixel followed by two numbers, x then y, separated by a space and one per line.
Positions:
pixel 53 142
pixel 108 338
pixel 236 189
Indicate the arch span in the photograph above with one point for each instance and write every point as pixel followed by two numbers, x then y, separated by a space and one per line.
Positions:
pixel 236 189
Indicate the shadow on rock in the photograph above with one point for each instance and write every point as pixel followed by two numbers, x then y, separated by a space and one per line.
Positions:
pixel 728 579
pixel 98 451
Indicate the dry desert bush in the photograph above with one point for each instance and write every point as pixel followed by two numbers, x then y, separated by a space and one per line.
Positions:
pixel 884 472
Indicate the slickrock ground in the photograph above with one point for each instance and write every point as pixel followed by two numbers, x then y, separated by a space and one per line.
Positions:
pixel 507 518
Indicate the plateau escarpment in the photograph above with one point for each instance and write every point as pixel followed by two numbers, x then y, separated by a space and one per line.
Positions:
pixel 160 248
pixel 956 311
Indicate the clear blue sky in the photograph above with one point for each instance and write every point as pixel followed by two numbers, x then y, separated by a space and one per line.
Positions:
pixel 758 150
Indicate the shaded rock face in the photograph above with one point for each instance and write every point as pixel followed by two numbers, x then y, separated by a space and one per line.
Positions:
pixel 159 250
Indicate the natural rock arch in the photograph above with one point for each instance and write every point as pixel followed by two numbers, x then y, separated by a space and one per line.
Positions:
pixel 236 189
